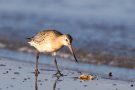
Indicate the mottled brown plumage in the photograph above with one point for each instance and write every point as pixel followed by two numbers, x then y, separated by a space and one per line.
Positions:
pixel 51 41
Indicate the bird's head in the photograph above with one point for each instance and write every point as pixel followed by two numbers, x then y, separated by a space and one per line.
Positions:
pixel 67 41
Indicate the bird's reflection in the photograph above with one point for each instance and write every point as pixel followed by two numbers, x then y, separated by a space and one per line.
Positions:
pixel 54 84
pixel 56 81
pixel 36 83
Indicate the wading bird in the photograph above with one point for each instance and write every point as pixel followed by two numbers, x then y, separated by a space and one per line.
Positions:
pixel 50 41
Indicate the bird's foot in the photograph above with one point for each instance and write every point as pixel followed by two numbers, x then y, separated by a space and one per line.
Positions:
pixel 58 74
pixel 36 72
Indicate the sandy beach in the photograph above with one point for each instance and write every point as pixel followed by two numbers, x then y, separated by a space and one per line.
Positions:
pixel 103 39
pixel 18 75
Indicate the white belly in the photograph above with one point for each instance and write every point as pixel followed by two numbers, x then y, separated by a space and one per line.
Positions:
pixel 44 47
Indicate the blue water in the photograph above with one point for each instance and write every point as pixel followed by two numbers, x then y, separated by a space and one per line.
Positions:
pixel 98 70
pixel 106 26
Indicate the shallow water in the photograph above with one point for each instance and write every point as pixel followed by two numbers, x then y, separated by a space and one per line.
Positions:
pixel 102 30
pixel 99 70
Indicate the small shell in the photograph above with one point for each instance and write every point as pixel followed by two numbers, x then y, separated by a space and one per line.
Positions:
pixel 86 77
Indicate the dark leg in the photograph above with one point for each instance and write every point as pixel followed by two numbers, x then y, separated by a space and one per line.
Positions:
pixel 58 71
pixel 55 83
pixel 36 82
pixel 36 68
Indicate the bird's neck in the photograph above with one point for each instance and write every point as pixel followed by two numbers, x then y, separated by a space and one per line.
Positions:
pixel 58 42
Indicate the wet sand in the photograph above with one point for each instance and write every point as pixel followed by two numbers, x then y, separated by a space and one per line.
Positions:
pixel 18 75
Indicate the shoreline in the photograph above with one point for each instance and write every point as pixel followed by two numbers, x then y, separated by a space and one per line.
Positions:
pixel 18 75
pixel 123 74
pixel 97 58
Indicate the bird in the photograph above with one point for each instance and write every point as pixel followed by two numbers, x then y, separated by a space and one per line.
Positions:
pixel 51 41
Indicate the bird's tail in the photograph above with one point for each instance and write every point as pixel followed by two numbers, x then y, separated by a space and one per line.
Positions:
pixel 30 41
pixel 28 38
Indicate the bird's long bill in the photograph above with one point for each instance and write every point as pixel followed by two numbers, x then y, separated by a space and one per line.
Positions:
pixel 72 51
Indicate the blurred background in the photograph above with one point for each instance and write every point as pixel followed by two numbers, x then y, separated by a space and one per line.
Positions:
pixel 103 30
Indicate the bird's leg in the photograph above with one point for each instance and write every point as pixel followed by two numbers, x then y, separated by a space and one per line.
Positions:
pixel 58 71
pixel 36 68
pixel 36 82
pixel 55 83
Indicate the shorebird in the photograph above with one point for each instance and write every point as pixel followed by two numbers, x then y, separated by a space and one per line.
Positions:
pixel 50 41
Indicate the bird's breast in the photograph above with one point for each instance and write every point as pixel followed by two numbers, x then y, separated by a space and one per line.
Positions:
pixel 48 47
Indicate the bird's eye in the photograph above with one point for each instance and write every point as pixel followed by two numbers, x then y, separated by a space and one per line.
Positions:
pixel 66 39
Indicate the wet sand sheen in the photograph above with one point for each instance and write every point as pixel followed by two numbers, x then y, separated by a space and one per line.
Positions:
pixel 100 70
pixel 17 75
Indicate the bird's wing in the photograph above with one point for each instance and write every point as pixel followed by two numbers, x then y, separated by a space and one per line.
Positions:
pixel 45 35
pixel 39 37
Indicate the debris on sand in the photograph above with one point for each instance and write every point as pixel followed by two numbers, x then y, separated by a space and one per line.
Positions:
pixel 110 74
pixel 2 65
pixel 17 73
pixel 131 85
pixel 86 77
